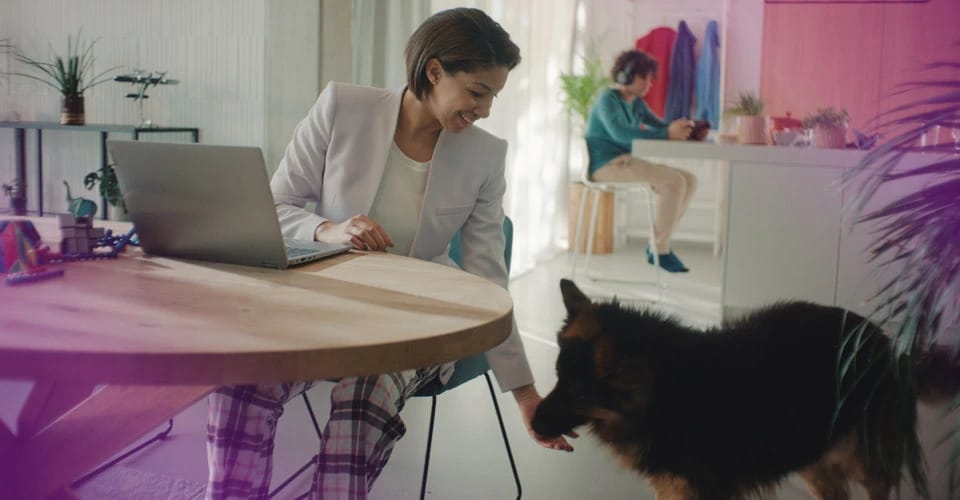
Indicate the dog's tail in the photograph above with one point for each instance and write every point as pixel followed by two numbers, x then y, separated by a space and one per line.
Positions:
pixel 938 375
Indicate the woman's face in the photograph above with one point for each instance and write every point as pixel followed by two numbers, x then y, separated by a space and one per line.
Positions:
pixel 462 98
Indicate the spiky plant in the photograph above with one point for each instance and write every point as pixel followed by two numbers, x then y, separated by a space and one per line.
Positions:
pixel 71 74
pixel 747 104
pixel 917 237
pixel 5 45
pixel 827 117
pixel 579 91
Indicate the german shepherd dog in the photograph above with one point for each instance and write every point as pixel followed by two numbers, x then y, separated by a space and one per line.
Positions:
pixel 728 412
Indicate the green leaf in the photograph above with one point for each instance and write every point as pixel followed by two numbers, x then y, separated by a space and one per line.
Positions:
pixel 69 73
pixel 917 237
pixel 748 104
pixel 579 91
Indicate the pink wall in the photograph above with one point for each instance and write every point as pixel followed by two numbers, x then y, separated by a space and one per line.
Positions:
pixel 851 55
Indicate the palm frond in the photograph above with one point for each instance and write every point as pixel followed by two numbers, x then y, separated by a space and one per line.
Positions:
pixel 579 91
pixel 916 237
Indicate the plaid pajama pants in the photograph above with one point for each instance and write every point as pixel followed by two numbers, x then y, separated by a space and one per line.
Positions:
pixel 363 427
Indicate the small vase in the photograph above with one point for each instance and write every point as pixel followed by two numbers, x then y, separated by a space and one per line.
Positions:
pixel 830 137
pixel 18 205
pixel 71 110
pixel 751 130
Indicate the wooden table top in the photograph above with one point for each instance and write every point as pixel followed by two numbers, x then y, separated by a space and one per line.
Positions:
pixel 150 320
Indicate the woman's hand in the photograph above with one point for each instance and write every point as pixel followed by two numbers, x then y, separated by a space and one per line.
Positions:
pixel 527 399
pixel 360 231
pixel 679 129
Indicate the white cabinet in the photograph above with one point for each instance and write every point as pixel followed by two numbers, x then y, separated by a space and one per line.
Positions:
pixel 785 233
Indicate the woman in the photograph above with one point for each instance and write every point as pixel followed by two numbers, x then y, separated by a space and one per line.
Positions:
pixel 389 171
pixel 617 118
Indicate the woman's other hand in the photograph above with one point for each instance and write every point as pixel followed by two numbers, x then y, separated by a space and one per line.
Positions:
pixel 527 399
pixel 679 129
pixel 360 231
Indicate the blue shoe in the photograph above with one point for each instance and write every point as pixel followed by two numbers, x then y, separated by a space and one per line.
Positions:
pixel 668 261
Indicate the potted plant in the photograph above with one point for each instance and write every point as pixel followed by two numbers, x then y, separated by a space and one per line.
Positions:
pixel 579 91
pixel 106 177
pixel 71 74
pixel 916 239
pixel 751 125
pixel 829 127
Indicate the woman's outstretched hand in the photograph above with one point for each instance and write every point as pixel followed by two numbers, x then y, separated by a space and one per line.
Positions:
pixel 528 398
pixel 360 231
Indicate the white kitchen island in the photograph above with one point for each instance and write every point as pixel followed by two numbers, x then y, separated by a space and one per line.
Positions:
pixel 784 233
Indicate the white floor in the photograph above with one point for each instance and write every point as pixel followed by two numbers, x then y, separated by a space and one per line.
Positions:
pixel 468 460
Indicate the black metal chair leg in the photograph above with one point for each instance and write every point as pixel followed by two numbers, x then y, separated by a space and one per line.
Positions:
pixel 426 461
pixel 159 437
pixel 293 476
pixel 313 461
pixel 313 417
pixel 503 431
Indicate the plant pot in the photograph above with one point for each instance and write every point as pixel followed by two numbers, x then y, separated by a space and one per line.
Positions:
pixel 751 130
pixel 830 137
pixel 119 213
pixel 71 110
pixel 18 205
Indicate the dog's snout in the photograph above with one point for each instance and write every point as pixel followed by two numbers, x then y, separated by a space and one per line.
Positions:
pixel 554 416
pixel 543 425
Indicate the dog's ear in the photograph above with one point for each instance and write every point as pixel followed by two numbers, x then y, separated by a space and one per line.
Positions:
pixel 573 298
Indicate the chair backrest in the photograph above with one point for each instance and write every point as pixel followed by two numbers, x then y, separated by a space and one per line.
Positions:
pixel 455 253
pixel 469 368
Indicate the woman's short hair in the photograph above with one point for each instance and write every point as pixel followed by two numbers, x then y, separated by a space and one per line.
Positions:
pixel 631 63
pixel 462 39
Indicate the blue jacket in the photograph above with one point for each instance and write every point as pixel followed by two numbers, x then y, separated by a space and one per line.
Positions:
pixel 682 68
pixel 708 77
pixel 614 124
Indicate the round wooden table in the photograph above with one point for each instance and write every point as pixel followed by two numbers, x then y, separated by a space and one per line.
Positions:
pixel 163 333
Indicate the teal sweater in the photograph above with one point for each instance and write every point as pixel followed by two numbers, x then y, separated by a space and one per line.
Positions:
pixel 614 124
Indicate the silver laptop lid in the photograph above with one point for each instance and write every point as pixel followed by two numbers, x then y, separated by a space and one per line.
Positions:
pixel 200 201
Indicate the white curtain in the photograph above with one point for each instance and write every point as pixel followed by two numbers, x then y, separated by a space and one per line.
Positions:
pixel 380 29
pixel 528 113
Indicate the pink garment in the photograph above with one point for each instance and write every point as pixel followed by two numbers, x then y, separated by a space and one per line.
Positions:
pixel 659 44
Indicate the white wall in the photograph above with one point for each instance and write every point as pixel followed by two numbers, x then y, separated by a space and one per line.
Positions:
pixel 217 49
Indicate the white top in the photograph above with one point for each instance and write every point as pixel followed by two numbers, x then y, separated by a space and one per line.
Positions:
pixel 400 198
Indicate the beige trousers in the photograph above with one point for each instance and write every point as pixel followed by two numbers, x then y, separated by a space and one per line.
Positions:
pixel 674 188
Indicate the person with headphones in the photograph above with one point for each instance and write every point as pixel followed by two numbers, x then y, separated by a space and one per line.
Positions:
pixel 619 116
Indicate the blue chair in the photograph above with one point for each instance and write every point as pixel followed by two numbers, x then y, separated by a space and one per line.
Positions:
pixel 465 370
pixel 468 369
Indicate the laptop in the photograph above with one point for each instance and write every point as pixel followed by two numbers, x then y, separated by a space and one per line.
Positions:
pixel 205 202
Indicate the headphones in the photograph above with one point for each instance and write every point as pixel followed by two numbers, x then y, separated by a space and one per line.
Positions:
pixel 626 74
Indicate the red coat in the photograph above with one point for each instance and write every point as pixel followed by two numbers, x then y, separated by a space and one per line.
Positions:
pixel 659 44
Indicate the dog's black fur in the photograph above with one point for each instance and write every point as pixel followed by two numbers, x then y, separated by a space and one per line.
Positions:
pixel 729 411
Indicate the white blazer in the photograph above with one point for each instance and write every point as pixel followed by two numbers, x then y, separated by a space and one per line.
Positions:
pixel 337 158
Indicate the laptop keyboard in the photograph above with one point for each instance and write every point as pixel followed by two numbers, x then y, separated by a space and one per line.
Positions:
pixel 294 252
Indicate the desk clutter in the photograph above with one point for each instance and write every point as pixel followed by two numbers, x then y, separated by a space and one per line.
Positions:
pixel 24 256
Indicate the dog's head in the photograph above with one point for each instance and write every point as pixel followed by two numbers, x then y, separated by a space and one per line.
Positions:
pixel 599 378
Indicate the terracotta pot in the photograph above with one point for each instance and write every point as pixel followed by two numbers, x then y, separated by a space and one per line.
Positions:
pixel 751 130
pixel 71 110
pixel 830 137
